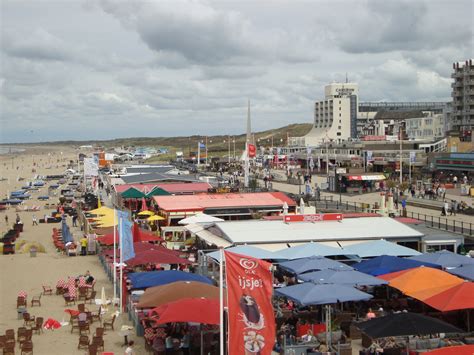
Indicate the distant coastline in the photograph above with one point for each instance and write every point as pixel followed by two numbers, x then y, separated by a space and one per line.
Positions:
pixel 10 150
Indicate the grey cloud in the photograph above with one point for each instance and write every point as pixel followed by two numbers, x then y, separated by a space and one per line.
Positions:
pixel 37 45
pixel 384 26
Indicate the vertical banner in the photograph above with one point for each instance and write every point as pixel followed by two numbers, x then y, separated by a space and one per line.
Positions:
pixel 91 168
pixel 126 238
pixel 249 296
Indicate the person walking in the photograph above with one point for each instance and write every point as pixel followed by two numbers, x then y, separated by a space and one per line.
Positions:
pixel 35 222
pixel 74 220
pixel 454 207
pixel 83 242
pixel 6 220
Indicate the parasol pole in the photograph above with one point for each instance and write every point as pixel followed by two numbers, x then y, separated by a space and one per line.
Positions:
pixel 115 256
pixel 120 265
pixel 221 301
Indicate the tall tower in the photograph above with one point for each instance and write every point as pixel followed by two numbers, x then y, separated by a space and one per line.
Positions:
pixel 248 141
pixel 462 117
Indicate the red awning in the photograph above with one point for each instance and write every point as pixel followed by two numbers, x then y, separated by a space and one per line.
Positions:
pixel 188 310
pixel 155 257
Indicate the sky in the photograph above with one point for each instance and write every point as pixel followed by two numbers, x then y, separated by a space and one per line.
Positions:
pixel 85 69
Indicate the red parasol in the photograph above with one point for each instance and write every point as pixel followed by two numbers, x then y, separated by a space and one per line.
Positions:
pixel 458 297
pixel 188 310
pixel 51 324
pixel 140 235
pixel 144 208
pixel 72 312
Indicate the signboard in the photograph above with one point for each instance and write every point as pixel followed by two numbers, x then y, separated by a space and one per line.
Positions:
pixel 341 170
pixel 249 298
pixel 318 217
pixel 365 177
pixel 374 138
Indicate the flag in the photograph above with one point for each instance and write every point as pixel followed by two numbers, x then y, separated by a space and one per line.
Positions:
pixel 249 299
pixel 99 205
pixel 126 238
pixel 252 150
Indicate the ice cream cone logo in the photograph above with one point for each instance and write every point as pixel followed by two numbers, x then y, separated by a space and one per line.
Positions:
pixel 248 264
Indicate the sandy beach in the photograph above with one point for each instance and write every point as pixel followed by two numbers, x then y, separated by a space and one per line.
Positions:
pixel 22 272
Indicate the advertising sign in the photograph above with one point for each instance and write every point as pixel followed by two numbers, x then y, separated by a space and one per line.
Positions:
pixel 318 217
pixel 249 296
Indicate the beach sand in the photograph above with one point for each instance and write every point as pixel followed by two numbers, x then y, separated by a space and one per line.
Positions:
pixel 22 272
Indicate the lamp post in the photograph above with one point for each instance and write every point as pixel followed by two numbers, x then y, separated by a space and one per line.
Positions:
pixel 400 133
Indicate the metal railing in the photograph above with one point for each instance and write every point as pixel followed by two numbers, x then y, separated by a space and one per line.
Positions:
pixel 438 222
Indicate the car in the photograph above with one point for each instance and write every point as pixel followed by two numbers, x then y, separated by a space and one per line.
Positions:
pixel 43 198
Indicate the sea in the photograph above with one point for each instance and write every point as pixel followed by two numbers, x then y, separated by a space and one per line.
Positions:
pixel 9 150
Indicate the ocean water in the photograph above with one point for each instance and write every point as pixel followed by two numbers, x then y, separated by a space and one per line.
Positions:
pixel 9 150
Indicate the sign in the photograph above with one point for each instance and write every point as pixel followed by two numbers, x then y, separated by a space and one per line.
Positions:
pixel 345 91
pixel 412 157
pixel 341 170
pixel 370 155
pixel 91 168
pixel 318 217
pixel 365 177
pixel 249 300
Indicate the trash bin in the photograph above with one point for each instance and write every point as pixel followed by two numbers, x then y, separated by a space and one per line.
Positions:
pixel 33 252
pixel 20 311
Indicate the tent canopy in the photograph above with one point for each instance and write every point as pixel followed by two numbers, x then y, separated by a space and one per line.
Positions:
pixel 422 282
pixel 310 294
pixel 338 277
pixel 313 263
pixel 132 193
pixel 157 278
pixel 310 249
pixel 405 323
pixel 454 298
pixel 444 258
pixel 188 310
pixel 200 218
pixel 159 295
pixel 465 271
pixel 386 264
pixel 250 251
pixel 378 248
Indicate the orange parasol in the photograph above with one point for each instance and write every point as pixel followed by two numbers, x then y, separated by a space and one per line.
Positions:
pixel 422 282
pixel 458 297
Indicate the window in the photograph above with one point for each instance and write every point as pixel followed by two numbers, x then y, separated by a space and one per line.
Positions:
pixel 338 133
pixel 338 127
pixel 339 115
pixel 339 108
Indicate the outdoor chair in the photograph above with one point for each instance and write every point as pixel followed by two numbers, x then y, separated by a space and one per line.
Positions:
pixel 97 315
pixel 69 299
pixel 109 323
pixel 3 340
pixel 74 324
pixel 92 349
pixel 28 319
pixel 83 342
pixel 47 290
pixel 36 300
pixel 83 291
pixel 38 327
pixel 26 337
pixel 9 348
pixel 21 302
pixel 10 334
pixel 99 342
pixel 20 333
pixel 84 327
pixel 91 297
pixel 27 348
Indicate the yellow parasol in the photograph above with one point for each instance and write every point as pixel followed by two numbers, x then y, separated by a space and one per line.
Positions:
pixel 146 213
pixel 155 218
pixel 102 211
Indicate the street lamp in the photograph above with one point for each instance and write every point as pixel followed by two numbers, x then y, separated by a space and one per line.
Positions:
pixel 400 136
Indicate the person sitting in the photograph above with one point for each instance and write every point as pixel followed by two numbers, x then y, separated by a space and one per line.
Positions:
pixel 370 314
pixel 89 278
pixel 308 337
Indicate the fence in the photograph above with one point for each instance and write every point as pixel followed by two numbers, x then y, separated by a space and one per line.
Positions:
pixel 438 222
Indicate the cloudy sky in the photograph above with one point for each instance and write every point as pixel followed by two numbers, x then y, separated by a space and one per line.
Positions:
pixel 85 69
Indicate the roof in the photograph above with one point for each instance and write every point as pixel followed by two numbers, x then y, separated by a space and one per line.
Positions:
pixel 156 177
pixel 364 228
pixel 202 202
pixel 398 115
pixel 171 187
pixel 150 169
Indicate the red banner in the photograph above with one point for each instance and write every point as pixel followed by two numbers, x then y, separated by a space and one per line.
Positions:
pixel 252 151
pixel 319 217
pixel 249 299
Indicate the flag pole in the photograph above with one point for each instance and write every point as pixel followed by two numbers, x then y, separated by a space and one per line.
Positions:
pixel 221 302
pixel 121 268
pixel 115 256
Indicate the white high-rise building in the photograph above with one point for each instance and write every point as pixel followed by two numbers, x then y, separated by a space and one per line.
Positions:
pixel 335 117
